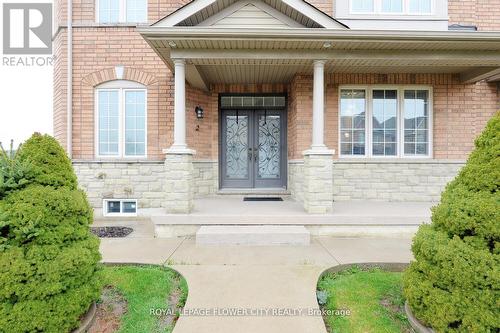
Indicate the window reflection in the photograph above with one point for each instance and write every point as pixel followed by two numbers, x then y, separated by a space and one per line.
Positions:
pixel 352 120
pixel 416 122
pixel 384 120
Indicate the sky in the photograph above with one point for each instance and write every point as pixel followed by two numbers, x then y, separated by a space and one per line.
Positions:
pixel 25 96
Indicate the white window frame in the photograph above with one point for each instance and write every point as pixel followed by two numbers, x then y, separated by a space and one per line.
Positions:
pixel 377 9
pixel 107 214
pixel 122 86
pixel 400 121
pixel 122 13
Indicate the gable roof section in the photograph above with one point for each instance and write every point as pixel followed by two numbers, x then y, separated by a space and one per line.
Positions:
pixel 250 13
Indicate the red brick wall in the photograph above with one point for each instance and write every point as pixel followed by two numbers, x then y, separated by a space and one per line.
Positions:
pixel 324 5
pixel 482 13
pixel 97 50
pixel 299 116
pixel 84 10
pixel 485 14
pixel 460 111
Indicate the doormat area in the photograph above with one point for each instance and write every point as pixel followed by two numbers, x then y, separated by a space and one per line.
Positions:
pixel 262 199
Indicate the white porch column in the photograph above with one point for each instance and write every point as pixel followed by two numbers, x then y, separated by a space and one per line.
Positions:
pixel 180 105
pixel 318 161
pixel 318 123
pixel 179 172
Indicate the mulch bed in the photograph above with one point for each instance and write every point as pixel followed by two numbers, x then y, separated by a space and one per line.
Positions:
pixel 110 309
pixel 111 232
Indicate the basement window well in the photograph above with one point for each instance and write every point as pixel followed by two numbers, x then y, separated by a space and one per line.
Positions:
pixel 119 207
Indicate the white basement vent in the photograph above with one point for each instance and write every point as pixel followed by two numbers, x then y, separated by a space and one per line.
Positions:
pixel 119 207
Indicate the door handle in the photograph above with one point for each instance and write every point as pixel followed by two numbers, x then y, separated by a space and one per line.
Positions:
pixel 253 153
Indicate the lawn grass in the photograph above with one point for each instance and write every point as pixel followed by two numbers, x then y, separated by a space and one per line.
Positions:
pixel 374 298
pixel 145 288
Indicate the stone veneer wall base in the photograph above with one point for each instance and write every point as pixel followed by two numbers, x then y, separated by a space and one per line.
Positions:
pixel 179 183
pixel 296 179
pixel 397 180
pixel 318 182
pixel 141 180
pixel 352 180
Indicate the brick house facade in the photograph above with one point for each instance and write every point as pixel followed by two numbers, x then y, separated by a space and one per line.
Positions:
pixel 462 94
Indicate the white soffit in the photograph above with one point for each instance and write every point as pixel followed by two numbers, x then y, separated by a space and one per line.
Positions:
pixel 250 13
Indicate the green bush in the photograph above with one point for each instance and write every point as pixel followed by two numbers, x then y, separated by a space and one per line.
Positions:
pixel 454 283
pixel 48 257
pixel 49 163
pixel 13 172
pixel 42 215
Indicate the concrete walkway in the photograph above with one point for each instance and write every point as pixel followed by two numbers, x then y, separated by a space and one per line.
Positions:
pixel 272 277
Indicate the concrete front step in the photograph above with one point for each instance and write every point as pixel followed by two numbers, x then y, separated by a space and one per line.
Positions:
pixel 252 235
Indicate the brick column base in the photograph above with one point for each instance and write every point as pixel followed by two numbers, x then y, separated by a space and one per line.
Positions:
pixel 179 182
pixel 318 181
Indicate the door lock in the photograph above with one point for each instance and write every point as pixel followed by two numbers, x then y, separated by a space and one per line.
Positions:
pixel 253 153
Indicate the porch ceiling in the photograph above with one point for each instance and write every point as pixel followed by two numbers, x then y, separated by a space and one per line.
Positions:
pixel 259 74
pixel 218 55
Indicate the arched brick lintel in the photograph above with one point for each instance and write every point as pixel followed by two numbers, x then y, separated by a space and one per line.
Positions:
pixel 108 74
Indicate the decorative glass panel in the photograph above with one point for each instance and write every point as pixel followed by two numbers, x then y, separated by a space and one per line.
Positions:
pixel 420 6
pixel 136 11
pixel 252 101
pixel 237 147
pixel 268 101
pixel 279 101
pixel 109 11
pixel 269 147
pixel 384 120
pixel 258 101
pixel 236 101
pixel 352 122
pixel 247 101
pixel 392 6
pixel 108 106
pixel 135 121
pixel 416 122
pixel 225 101
pixel 362 6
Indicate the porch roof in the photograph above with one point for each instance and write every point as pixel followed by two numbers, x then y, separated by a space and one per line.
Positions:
pixel 232 55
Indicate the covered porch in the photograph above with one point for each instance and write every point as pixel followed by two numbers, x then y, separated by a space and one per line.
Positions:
pixel 304 55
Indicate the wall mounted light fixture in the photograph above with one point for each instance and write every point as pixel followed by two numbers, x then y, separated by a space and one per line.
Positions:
pixel 199 112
